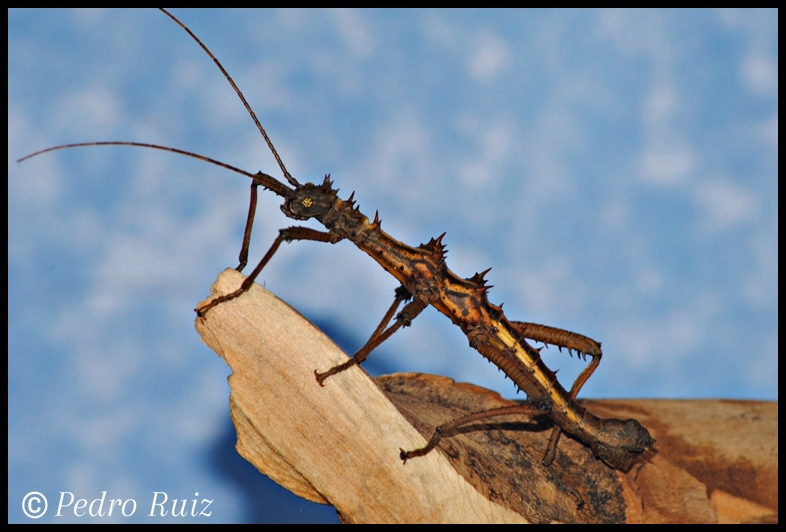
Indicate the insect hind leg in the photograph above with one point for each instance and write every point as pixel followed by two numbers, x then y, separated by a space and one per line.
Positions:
pixel 583 345
pixel 523 409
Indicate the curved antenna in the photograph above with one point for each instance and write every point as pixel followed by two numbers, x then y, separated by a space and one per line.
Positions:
pixel 141 145
pixel 292 180
pixel 267 181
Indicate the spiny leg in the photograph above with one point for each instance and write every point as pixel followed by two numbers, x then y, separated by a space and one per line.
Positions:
pixel 559 337
pixel 570 340
pixel 403 319
pixel 499 358
pixel 551 449
pixel 284 235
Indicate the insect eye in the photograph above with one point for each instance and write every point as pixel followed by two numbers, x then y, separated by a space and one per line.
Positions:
pixel 307 202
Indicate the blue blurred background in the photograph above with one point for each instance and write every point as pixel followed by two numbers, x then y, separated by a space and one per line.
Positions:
pixel 617 169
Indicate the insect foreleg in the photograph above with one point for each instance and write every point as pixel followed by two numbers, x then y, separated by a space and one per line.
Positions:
pixel 252 209
pixel 284 235
pixel 403 319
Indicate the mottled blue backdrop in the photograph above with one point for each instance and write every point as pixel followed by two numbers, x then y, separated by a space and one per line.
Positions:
pixel 617 169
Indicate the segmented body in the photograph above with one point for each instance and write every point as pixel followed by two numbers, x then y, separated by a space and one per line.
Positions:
pixel 425 278
pixel 425 275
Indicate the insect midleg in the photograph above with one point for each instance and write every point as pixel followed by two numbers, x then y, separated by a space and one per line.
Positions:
pixel 570 340
pixel 403 319
pixel 402 294
pixel 284 235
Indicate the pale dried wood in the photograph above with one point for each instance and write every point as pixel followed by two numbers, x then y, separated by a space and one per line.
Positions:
pixel 338 444
pixel 715 461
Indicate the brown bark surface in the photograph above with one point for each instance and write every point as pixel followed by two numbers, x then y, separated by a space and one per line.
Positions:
pixel 715 460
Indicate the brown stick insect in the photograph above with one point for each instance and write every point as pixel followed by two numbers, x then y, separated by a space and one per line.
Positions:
pixel 426 281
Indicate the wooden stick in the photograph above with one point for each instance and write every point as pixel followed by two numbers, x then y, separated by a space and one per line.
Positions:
pixel 338 444
pixel 715 461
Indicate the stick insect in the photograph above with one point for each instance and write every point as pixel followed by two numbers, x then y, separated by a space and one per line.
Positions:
pixel 426 281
